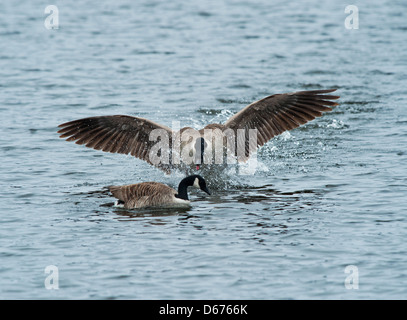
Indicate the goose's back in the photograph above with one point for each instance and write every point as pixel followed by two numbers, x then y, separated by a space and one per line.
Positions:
pixel 144 194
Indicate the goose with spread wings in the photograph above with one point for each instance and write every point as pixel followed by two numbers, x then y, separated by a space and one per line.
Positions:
pixel 268 118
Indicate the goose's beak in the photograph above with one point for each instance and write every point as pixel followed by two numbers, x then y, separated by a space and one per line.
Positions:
pixel 206 190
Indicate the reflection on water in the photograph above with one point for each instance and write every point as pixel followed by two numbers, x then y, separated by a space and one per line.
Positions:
pixel 150 212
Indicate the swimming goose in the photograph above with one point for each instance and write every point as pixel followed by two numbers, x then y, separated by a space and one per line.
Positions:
pixel 269 117
pixel 153 194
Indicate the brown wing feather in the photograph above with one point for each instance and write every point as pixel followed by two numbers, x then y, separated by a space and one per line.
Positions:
pixel 116 134
pixel 275 114
pixel 143 194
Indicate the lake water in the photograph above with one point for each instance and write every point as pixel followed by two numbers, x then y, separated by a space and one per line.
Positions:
pixel 324 215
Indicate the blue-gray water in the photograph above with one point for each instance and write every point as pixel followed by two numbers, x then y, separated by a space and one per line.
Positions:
pixel 325 196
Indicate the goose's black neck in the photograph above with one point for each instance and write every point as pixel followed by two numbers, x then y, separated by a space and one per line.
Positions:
pixel 183 186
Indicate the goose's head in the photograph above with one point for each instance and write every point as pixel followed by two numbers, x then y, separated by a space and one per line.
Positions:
pixel 198 182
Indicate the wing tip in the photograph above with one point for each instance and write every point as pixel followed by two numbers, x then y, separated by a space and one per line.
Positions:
pixel 318 91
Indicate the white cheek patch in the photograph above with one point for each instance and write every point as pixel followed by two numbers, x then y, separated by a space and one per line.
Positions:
pixel 196 183
pixel 118 205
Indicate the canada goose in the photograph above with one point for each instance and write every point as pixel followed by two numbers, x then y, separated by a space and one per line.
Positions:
pixel 153 194
pixel 269 117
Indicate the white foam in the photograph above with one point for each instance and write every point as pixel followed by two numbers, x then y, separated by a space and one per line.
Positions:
pixel 335 124
pixel 286 135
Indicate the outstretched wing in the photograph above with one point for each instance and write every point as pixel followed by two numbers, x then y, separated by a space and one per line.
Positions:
pixel 116 134
pixel 275 114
